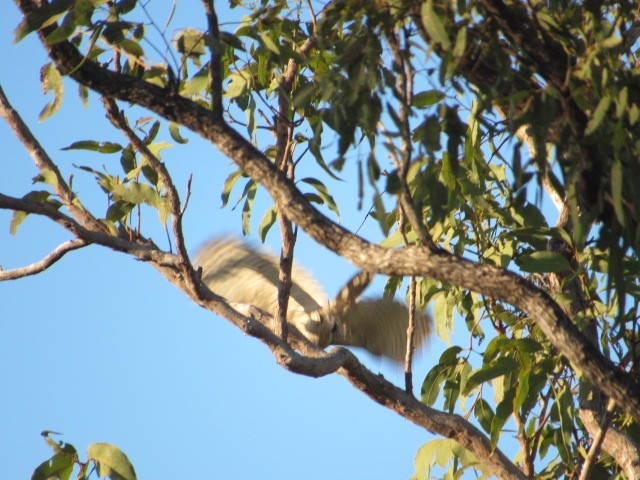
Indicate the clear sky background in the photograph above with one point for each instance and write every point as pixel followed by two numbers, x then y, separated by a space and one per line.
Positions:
pixel 101 348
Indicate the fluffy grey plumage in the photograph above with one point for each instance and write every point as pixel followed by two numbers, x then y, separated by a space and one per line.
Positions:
pixel 240 273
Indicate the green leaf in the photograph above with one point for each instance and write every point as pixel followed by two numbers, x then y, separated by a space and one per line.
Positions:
pixel 118 211
pixel 522 389
pixel 125 6
pixel 250 191
pixel 617 184
pixel 190 41
pixel 83 9
pixel 503 412
pixel 41 17
pixel 442 452
pixel 51 81
pixel 380 213
pixel 231 40
pixel 448 171
pixel 451 392
pixel 151 135
pixel 428 133
pixel 267 222
pixel 450 355
pixel 64 31
pixel 269 43
pixel 527 345
pixel 427 98
pixel 228 186
pixel 434 25
pixel 598 114
pixel 174 131
pixel 393 183
pixel 324 194
pixel 431 385
pixel 111 461
pixel 101 147
pixel 237 86
pixel 484 414
pixel 164 210
pixel 565 411
pixel 128 159
pixel 135 193
pixel 156 148
pixel 39 196
pixel 499 367
pixel 196 84
pixel 132 47
pixel 542 262
pixel 59 467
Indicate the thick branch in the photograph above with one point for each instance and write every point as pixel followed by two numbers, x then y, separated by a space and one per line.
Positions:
pixel 46 262
pixel 618 445
pixel 417 261
pixel 317 363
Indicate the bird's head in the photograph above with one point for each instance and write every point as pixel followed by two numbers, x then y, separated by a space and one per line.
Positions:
pixel 317 326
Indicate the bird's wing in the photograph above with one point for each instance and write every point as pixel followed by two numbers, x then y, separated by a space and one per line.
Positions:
pixel 380 326
pixel 350 293
pixel 241 273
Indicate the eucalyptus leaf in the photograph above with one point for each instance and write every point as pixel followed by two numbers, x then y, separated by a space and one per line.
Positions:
pixel 111 461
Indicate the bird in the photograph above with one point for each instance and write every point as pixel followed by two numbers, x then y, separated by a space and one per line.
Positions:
pixel 242 273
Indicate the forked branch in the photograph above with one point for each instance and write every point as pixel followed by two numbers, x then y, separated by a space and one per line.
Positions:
pixel 40 266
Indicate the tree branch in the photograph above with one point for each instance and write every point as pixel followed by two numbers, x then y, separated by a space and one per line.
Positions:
pixel 119 121
pixel 620 446
pixel 215 68
pixel 411 261
pixel 596 443
pixel 143 251
pixel 318 363
pixel 44 163
pixel 46 262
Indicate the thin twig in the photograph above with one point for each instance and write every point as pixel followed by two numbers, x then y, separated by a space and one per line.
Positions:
pixel 408 375
pixel 283 130
pixel 120 122
pixel 187 195
pixel 594 450
pixel 403 87
pixel 43 264
pixel 215 67
pixel 284 277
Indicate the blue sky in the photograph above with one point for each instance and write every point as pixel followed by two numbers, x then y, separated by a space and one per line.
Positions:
pixel 101 348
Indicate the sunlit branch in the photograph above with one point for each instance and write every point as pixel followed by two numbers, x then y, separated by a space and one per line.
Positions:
pixel 411 327
pixel 119 121
pixel 143 251
pixel 284 135
pixel 318 363
pixel 46 262
pixel 597 442
pixel 45 163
